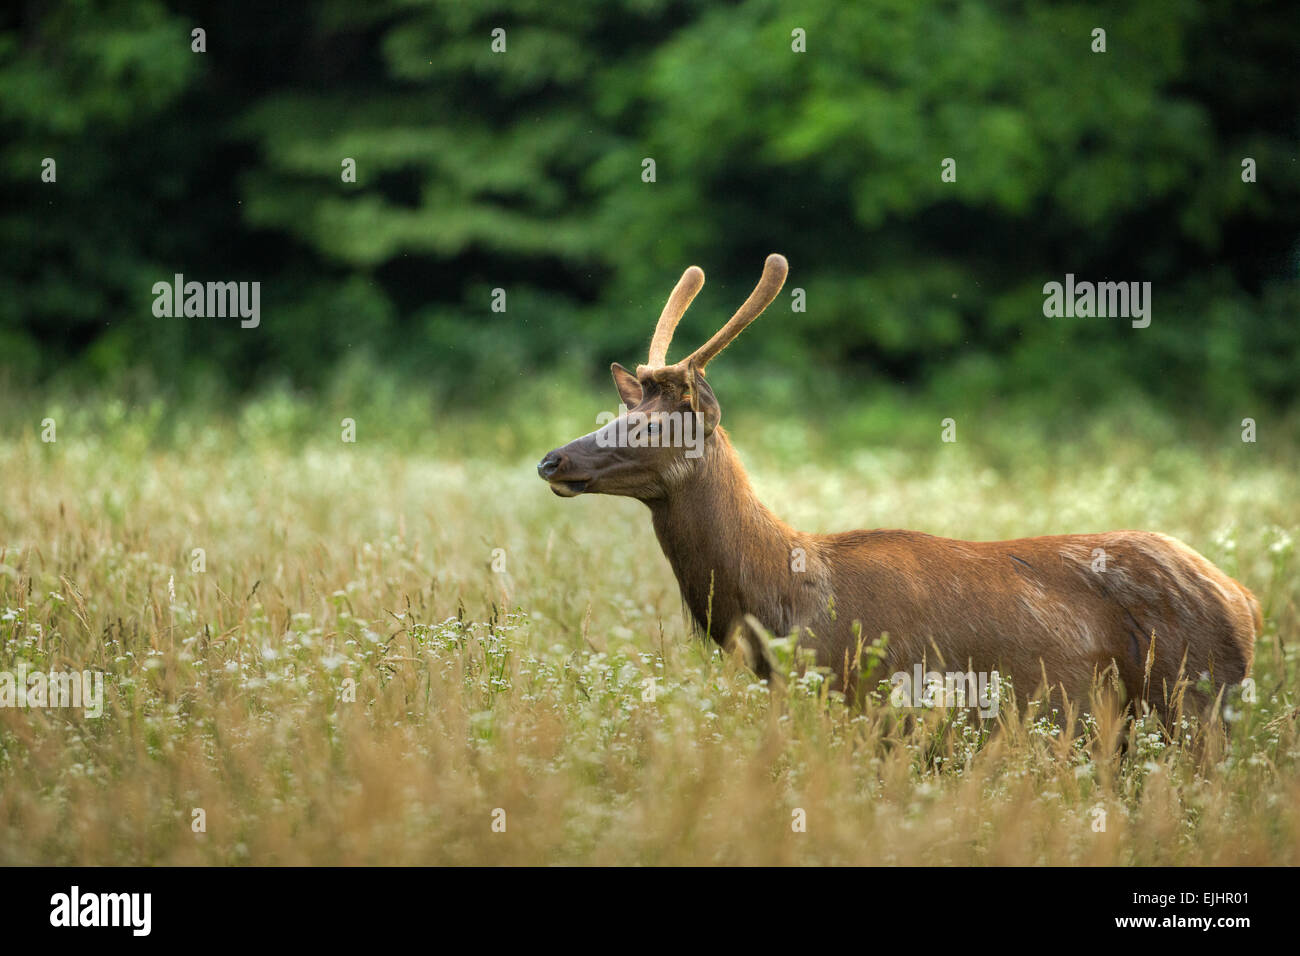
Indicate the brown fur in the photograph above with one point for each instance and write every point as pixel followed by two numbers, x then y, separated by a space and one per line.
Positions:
pixel 1024 608
pixel 1019 607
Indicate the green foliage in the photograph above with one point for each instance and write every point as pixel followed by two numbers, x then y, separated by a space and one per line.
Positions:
pixel 522 171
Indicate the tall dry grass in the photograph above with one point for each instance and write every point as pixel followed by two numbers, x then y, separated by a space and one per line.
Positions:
pixel 523 687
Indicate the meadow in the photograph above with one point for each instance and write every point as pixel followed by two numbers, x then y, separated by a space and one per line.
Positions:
pixel 405 650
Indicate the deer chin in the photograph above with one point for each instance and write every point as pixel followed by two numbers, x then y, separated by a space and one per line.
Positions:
pixel 568 489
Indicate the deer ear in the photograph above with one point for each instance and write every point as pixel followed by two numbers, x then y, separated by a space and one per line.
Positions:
pixel 629 389
pixel 703 400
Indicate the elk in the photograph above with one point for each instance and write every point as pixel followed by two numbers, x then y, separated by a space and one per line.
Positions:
pixel 1156 615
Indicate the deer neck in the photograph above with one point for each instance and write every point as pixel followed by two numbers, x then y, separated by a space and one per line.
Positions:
pixel 731 555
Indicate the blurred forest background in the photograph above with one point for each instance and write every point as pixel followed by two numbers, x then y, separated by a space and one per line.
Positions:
pixel 522 170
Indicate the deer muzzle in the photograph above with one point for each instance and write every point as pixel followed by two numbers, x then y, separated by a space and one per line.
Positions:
pixel 554 469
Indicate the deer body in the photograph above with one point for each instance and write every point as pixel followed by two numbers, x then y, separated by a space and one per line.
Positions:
pixel 1023 608
pixel 1043 611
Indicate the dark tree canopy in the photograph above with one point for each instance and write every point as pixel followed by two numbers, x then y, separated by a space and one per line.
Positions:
pixel 523 170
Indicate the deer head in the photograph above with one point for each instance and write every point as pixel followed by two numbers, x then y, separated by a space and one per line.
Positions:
pixel 671 410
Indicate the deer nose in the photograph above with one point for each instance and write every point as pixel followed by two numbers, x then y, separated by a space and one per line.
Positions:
pixel 550 465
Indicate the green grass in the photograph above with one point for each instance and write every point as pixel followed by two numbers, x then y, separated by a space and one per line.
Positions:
pixel 525 689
